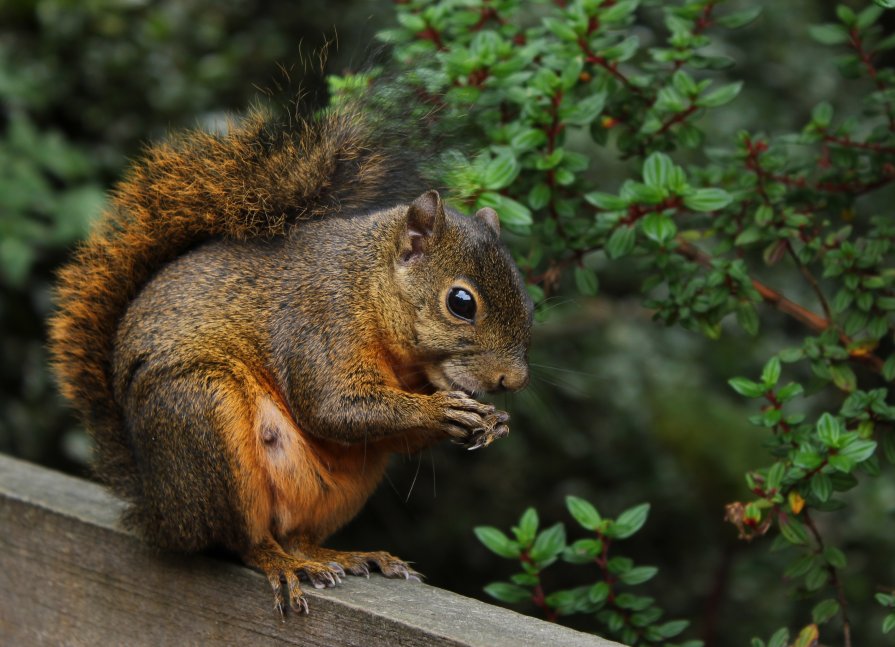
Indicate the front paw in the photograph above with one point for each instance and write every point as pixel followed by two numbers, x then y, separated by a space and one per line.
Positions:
pixel 469 422
pixel 495 427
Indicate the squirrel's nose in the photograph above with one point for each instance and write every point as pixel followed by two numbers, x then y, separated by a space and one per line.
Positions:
pixel 513 380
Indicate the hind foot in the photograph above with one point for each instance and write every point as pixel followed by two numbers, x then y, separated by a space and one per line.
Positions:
pixel 358 563
pixel 282 568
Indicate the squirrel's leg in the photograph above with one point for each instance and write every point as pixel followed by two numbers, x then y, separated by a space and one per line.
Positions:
pixel 279 567
pixel 356 563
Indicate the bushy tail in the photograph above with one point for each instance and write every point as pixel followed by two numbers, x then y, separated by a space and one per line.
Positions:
pixel 253 181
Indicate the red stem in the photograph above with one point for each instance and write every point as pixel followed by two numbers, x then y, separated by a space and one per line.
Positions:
pixel 867 60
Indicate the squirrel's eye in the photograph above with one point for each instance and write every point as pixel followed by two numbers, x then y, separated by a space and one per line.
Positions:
pixel 461 304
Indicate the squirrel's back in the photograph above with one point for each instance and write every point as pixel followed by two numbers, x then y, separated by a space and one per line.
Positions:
pixel 254 181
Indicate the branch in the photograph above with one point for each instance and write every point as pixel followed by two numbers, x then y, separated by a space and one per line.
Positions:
pixel 834 578
pixel 771 296
pixel 810 319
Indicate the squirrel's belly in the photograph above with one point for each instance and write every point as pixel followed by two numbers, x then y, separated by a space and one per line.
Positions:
pixel 315 486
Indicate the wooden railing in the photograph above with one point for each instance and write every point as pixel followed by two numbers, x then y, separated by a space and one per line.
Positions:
pixel 70 575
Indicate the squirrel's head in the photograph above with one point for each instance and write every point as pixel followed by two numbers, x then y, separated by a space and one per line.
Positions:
pixel 471 313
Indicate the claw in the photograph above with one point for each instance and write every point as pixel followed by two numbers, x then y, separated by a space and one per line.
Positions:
pixel 279 604
pixel 360 569
pixel 337 569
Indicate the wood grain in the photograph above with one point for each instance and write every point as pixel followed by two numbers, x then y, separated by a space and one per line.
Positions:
pixel 70 575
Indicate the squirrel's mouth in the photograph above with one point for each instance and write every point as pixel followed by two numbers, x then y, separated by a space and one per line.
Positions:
pixel 456 383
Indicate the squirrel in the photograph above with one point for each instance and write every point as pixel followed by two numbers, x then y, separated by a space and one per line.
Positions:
pixel 262 316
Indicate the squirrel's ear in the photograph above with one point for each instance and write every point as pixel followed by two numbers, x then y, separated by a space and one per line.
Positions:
pixel 489 216
pixel 425 219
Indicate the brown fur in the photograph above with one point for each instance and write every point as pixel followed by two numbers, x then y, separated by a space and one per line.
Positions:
pixel 245 378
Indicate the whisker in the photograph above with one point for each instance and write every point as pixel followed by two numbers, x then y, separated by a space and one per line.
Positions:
pixel 413 482
pixel 562 370
pixel 568 386
pixel 432 459
pixel 391 483
pixel 560 302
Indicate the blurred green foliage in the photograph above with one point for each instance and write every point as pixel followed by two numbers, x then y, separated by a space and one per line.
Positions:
pixel 82 85
pixel 620 410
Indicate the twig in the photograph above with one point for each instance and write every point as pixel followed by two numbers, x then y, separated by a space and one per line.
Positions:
pixel 834 578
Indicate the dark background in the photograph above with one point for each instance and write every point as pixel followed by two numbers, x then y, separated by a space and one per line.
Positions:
pixel 620 410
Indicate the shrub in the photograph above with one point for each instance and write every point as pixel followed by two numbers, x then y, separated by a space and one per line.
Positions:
pixel 548 89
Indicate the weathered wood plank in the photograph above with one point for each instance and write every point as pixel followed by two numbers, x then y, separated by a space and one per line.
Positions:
pixel 69 574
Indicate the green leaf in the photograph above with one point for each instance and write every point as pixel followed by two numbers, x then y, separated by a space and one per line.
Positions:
pixel 747 236
pixel 549 544
pixel 868 16
pixel 844 377
pixel 539 196
pixel 673 628
pixel 885 599
pixel 583 512
pixel 550 160
pixel 586 110
pixel 583 551
pixel 739 18
pixel 623 51
pixel 747 387
pixel 816 578
pixel 598 592
pixel 829 429
pixel 824 610
pixel 657 170
pixel 497 542
pixel 643 192
pixel 606 201
pixel 845 14
pixel 619 11
pixel 821 487
pixel 525 579
pixel 631 520
pixel 658 227
pixel 560 29
pixel 508 593
pixel 841 463
pixel 719 97
pixel 500 171
pixel 790 391
pixel 889 368
pixel 780 638
pixel 801 566
pixel 794 532
pixel 747 317
pixel 528 527
pixel 510 212
pixel 822 114
pixel 586 281
pixel 411 21
pixel 639 575
pixel 829 34
pixel 859 450
pixel 889 623
pixel 707 200
pixel 835 557
pixel 775 476
pixel 528 139
pixel 807 459
pixel 770 374
pixel 684 83
pixel 621 242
